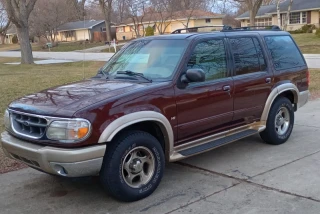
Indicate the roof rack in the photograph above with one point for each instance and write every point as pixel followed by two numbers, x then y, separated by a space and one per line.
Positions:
pixel 226 28
pixel 258 27
pixel 195 29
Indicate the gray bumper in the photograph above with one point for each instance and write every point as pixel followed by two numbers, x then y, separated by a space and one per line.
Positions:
pixel 65 162
pixel 303 98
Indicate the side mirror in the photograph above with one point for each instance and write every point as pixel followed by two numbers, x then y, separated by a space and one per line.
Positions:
pixel 193 75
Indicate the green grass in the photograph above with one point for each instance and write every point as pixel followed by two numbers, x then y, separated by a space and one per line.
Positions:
pixel 19 80
pixel 69 46
pixel 308 43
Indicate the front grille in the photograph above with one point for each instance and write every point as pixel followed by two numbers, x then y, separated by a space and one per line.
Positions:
pixel 30 126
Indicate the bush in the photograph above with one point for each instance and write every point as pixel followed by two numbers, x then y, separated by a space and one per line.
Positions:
pixel 318 32
pixel 149 31
pixel 308 28
pixel 15 39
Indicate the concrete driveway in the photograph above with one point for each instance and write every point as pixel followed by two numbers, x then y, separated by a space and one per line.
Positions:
pixel 247 176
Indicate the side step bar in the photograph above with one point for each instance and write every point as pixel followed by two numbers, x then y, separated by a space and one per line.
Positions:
pixel 218 142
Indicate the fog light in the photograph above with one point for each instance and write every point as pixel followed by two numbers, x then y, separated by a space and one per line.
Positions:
pixel 60 170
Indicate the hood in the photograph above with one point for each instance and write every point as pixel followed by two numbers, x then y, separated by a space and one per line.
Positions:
pixel 67 99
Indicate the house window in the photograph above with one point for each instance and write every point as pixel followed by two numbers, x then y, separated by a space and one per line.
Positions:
pixel 208 20
pixel 263 22
pixel 120 29
pixel 298 18
pixel 304 17
pixel 103 29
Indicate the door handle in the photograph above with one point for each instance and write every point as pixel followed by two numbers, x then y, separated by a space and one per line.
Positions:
pixel 268 80
pixel 226 88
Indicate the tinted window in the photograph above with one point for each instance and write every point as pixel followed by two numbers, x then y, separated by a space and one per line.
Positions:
pixel 285 54
pixel 210 56
pixel 248 56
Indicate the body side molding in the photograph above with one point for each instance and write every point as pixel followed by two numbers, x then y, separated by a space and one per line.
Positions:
pixel 119 124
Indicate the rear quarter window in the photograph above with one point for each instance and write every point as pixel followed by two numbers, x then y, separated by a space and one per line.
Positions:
pixel 284 52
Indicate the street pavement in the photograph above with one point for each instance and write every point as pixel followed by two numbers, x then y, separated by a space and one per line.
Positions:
pixel 247 176
pixel 313 60
pixel 74 56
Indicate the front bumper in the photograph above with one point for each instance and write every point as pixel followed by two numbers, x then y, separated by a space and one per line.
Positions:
pixel 76 162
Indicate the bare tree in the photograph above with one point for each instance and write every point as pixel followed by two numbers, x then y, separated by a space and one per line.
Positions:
pixel 253 6
pixel 136 14
pixel 163 14
pixel 106 8
pixel 57 12
pixel 4 23
pixel 188 8
pixel 79 6
pixel 278 13
pixel 268 2
pixel 18 13
pixel 288 16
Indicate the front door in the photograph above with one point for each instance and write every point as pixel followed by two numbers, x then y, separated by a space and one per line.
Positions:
pixel 207 107
pixel 253 79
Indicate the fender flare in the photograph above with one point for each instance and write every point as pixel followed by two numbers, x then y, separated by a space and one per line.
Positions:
pixel 122 122
pixel 275 93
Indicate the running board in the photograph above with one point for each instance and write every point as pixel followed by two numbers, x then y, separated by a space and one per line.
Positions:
pixel 218 142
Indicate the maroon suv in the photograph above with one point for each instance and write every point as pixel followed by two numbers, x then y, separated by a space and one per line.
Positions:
pixel 161 98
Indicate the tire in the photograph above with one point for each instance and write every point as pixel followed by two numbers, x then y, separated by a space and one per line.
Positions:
pixel 133 166
pixel 275 133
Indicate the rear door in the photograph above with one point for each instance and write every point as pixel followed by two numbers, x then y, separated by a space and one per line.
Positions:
pixel 253 79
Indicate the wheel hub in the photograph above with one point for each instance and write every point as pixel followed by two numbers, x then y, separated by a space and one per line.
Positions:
pixel 282 121
pixel 136 165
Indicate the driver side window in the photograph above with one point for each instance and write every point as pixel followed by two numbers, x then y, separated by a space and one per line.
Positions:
pixel 210 56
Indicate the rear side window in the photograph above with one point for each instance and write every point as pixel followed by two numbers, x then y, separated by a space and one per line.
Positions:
pixel 248 56
pixel 284 52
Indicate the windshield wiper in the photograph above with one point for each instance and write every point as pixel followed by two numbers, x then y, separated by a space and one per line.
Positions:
pixel 100 71
pixel 131 73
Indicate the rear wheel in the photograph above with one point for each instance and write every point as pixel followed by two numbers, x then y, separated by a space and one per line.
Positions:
pixel 279 123
pixel 133 166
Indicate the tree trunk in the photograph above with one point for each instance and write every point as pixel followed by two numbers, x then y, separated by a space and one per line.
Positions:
pixel 278 13
pixel 2 39
pixel 252 18
pixel 288 16
pixel 108 30
pixel 26 51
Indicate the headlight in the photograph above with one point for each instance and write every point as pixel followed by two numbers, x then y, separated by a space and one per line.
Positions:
pixel 69 131
pixel 7 124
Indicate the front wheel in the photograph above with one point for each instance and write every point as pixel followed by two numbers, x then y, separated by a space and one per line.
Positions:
pixel 279 123
pixel 133 166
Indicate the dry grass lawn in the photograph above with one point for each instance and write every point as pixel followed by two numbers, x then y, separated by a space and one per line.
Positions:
pixel 309 43
pixel 19 80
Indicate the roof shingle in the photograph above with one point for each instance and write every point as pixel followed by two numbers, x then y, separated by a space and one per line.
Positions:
pixel 296 6
pixel 87 24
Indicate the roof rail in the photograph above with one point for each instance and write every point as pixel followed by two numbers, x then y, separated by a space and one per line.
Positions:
pixel 226 28
pixel 195 29
pixel 256 27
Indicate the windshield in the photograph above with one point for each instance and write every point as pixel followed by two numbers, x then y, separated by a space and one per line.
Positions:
pixel 155 59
